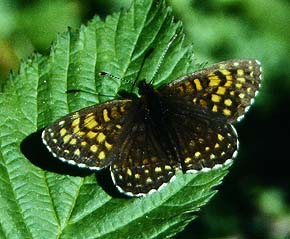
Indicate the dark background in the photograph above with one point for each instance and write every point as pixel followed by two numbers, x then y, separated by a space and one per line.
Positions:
pixel 253 201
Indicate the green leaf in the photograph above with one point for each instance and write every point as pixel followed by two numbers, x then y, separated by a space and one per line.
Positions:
pixel 38 203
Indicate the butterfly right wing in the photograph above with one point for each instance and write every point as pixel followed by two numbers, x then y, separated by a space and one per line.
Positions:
pixel 87 137
pixel 227 88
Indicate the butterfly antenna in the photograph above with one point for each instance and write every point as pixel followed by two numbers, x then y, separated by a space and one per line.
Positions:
pixel 162 57
pixel 72 91
pixel 103 73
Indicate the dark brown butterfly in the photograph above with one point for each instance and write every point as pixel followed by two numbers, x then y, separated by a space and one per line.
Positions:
pixel 184 125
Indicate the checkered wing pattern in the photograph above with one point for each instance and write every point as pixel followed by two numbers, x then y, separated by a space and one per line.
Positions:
pixel 203 142
pixel 227 88
pixel 184 125
pixel 145 162
pixel 87 137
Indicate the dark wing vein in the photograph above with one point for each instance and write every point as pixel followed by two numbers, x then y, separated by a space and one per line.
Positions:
pixel 227 88
pixel 142 166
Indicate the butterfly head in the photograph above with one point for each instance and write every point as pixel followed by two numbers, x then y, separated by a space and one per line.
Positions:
pixel 145 88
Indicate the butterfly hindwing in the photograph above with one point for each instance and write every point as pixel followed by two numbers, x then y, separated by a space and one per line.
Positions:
pixel 203 142
pixel 86 137
pixel 227 88
pixel 144 164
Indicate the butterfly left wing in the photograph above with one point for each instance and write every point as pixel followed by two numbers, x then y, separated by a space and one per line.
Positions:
pixel 227 88
pixel 88 137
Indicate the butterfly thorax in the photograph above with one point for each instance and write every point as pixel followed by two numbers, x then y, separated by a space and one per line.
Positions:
pixel 150 102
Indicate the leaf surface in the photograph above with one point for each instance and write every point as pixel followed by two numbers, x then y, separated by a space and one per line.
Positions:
pixel 40 203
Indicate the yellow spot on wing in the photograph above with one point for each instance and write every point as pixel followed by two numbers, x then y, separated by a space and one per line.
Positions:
pixel 157 169
pixel 62 132
pixel 91 134
pixel 94 148
pixel 220 137
pixel 77 152
pixel 92 124
pixel 108 146
pixel 84 143
pixel 80 133
pixel 66 138
pixel 197 154
pixel 137 176
pixel 229 78
pixel 88 119
pixel 129 172
pixel 167 167
pixel 73 141
pixel 106 115
pixel 76 129
pixel 225 72
pixel 228 102
pixel 214 108
pixel 149 180
pixel 76 122
pixel 241 79
pixel 101 137
pixel 102 155
pixel 228 82
pixel 122 109
pixel 240 72
pixel 197 84
pixel 227 112
pixel 215 98
pixel 221 90
pixel 214 80
pixel 241 95
pixel 187 160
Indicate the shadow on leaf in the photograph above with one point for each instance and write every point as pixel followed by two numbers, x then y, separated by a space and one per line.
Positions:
pixel 36 152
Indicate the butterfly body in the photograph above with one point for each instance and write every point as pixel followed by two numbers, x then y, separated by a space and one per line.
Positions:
pixel 185 125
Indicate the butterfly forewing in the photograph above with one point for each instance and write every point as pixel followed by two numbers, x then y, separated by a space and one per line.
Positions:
pixel 87 137
pixel 227 88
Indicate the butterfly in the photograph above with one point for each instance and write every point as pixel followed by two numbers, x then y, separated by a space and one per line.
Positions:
pixel 185 125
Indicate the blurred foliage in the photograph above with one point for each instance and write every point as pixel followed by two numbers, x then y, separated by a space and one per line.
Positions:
pixel 254 200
